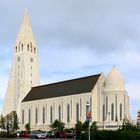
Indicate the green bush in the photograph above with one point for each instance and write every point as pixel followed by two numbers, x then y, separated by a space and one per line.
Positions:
pixel 111 135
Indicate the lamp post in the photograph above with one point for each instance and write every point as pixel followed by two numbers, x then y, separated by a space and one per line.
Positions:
pixel 88 118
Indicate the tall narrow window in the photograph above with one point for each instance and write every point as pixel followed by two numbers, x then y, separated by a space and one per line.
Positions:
pixel 43 115
pixel 22 117
pixel 51 115
pixel 31 46
pixel 22 46
pixel 68 113
pixel 16 48
pixel 80 108
pixel 87 109
pixel 36 116
pixel 106 106
pixel 120 112
pixel 34 50
pixel 28 47
pixel 112 112
pixel 77 112
pixel 103 112
pixel 29 120
pixel 59 113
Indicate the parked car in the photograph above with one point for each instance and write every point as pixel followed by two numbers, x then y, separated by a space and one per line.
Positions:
pixel 71 134
pixel 38 134
pixel 23 134
pixel 62 134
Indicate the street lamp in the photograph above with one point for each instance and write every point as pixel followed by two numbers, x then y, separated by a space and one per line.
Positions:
pixel 88 113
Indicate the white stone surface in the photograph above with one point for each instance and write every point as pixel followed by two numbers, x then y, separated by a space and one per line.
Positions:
pixel 25 70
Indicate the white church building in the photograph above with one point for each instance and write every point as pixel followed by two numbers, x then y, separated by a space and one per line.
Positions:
pixel 68 101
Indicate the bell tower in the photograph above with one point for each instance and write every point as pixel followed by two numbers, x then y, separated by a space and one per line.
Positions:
pixel 25 71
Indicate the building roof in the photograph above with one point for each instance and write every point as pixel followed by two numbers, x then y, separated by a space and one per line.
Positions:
pixel 65 88
pixel 114 81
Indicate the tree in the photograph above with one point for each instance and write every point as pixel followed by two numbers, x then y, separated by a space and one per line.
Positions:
pixel 15 121
pixel 57 125
pixel 94 125
pixel 2 122
pixel 79 126
pixel 27 127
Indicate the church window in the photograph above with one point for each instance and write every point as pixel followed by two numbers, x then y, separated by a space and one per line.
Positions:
pixel 106 106
pixel 80 107
pixel 29 116
pixel 31 46
pixel 71 108
pixel 16 48
pixel 87 109
pixel 77 112
pixel 28 47
pixel 43 115
pixel 112 112
pixel 68 113
pixel 22 117
pixel 34 50
pixel 103 112
pixel 59 113
pixel 36 116
pixel 22 46
pixel 120 112
pixel 51 115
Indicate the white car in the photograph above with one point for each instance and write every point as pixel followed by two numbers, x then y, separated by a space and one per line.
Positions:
pixel 38 134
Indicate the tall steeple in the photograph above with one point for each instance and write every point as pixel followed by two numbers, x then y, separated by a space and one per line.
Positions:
pixel 25 70
pixel 25 33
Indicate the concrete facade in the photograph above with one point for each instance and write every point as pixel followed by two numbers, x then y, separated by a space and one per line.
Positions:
pixel 25 69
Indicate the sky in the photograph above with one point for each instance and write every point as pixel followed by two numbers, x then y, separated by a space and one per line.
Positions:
pixel 76 38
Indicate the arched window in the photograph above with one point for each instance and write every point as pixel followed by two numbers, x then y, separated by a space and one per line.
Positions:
pixel 68 113
pixel 59 113
pixel 87 109
pixel 34 50
pixel 36 116
pixel 43 115
pixel 106 106
pixel 120 112
pixel 29 117
pixel 16 48
pixel 80 108
pixel 22 46
pixel 51 115
pixel 103 112
pixel 28 47
pixel 22 117
pixel 77 112
pixel 112 112
pixel 31 46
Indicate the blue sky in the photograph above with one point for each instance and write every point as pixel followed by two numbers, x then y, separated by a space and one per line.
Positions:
pixel 76 38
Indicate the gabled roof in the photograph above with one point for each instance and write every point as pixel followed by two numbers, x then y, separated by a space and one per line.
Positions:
pixel 65 88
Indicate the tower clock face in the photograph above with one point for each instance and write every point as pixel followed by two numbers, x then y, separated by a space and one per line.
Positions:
pixel 31 59
pixel 18 59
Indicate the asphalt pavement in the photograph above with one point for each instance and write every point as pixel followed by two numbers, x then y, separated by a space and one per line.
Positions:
pixel 36 139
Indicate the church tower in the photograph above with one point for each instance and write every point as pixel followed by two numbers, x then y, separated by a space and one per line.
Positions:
pixel 25 71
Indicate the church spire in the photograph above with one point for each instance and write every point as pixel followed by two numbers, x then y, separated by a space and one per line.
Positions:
pixel 25 35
